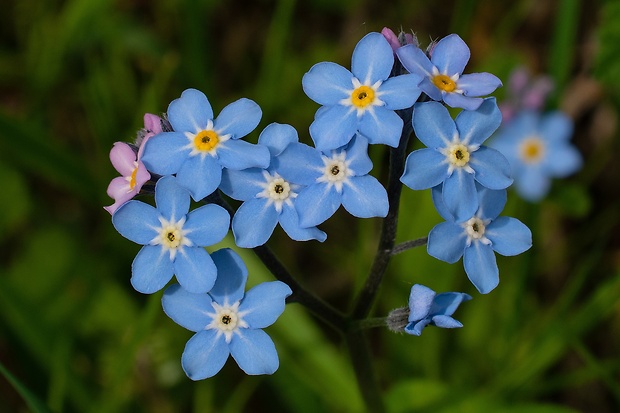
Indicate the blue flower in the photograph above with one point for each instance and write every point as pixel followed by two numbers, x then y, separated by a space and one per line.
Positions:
pixel 478 238
pixel 227 321
pixel 443 77
pixel 361 100
pixel 538 148
pixel 337 178
pixel 268 197
pixel 427 307
pixel 199 147
pixel 173 239
pixel 455 156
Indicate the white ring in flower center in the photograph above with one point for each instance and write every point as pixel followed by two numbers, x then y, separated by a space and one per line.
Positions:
pixel 458 154
pixel 226 320
pixel 475 229
pixel 277 190
pixel 171 236
pixel 532 149
pixel 336 170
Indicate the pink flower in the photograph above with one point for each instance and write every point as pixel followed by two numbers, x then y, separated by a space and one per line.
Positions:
pixel 525 92
pixel 400 40
pixel 133 175
pixel 152 126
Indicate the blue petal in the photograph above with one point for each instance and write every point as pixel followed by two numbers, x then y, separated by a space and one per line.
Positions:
pixel 400 92
pixel 300 164
pixel 440 206
pixel 416 329
pixel 562 160
pixel 373 59
pixel 433 124
pixel 509 236
pixel 492 202
pixel 254 223
pixel 238 154
pixel 492 168
pixel 456 100
pixel 289 220
pixel 476 126
pixel 478 84
pixel 190 112
pixel 232 276
pixel 187 309
pixel 447 303
pixel 532 183
pixel 195 269
pixel 446 242
pixel 242 185
pixel 334 127
pixel 201 175
pixel 238 118
pixel 277 137
pixel 425 168
pixel 381 125
pixel 357 155
pixel 481 267
pixel 151 269
pixel 165 153
pixel 172 199
pixel 327 83
pixel 459 195
pixel 263 304
pixel 445 321
pixel 316 203
pixel 364 197
pixel 420 301
pixel 415 60
pixel 254 352
pixel 450 55
pixel 207 225
pixel 205 354
pixel 556 127
pixel 136 221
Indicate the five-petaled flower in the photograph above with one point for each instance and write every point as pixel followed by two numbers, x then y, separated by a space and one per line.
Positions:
pixel 478 238
pixel 429 308
pixel 173 239
pixel 228 321
pixel 199 146
pixel 455 156
pixel 442 74
pixel 361 100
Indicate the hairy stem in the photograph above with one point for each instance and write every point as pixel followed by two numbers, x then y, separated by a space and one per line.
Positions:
pixel 407 245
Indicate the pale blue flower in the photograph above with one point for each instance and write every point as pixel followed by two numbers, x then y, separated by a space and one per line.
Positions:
pixel 455 156
pixel 200 146
pixel 228 321
pixel 429 308
pixel 173 239
pixel 361 100
pixel 442 74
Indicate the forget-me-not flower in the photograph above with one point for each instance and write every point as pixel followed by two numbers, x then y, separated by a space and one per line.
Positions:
pixel 200 146
pixel 268 197
pixel 538 148
pixel 455 155
pixel 228 321
pixel 361 100
pixel 339 177
pixel 427 307
pixel 442 74
pixel 173 239
pixel 478 238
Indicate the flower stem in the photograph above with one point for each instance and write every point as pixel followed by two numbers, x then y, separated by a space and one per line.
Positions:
pixel 404 246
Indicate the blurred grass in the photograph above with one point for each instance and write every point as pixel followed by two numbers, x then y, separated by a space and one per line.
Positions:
pixel 77 75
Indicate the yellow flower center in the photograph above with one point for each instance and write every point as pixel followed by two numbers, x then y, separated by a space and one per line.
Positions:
pixel 532 149
pixel 458 155
pixel 171 236
pixel 363 96
pixel 206 140
pixel 444 82
pixel 132 180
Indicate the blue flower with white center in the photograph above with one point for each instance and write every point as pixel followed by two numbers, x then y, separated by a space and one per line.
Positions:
pixel 429 308
pixel 478 238
pixel 268 198
pixel 173 239
pixel 228 321
pixel 538 148
pixel 200 146
pixel 455 156
pixel 442 74
pixel 339 177
pixel 361 100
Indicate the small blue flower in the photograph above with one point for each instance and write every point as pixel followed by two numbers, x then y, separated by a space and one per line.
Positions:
pixel 268 198
pixel 199 147
pixel 173 239
pixel 455 156
pixel 442 75
pixel 361 100
pixel 427 307
pixel 337 178
pixel 478 238
pixel 228 321
pixel 538 148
